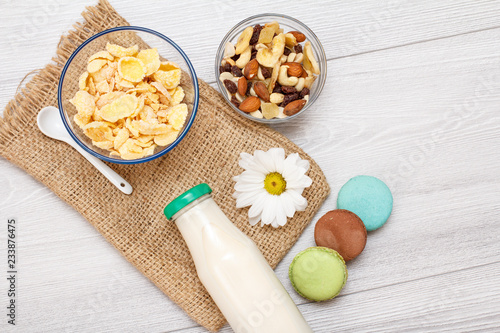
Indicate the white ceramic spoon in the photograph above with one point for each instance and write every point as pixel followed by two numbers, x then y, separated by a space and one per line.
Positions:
pixel 50 123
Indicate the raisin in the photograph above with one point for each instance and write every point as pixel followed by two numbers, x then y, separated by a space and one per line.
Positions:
pixel 298 48
pixel 227 67
pixel 254 54
pixel 236 71
pixel 265 72
pixel 235 57
pixel 287 51
pixel 255 35
pixel 235 101
pixel 277 88
pixel 289 98
pixel 249 86
pixel 288 90
pixel 230 86
pixel 305 91
pixel 221 69
pixel 255 38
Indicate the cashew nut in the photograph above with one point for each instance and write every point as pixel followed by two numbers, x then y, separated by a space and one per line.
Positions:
pixel 244 58
pixel 276 98
pixel 300 85
pixel 226 76
pixel 284 79
pixel 230 61
pixel 229 50
pixel 291 57
pixel 299 57
pixel 283 59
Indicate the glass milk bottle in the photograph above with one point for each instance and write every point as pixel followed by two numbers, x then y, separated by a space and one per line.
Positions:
pixel 232 268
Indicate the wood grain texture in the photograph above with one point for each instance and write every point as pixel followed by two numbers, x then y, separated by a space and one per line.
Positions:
pixel 424 305
pixel 411 97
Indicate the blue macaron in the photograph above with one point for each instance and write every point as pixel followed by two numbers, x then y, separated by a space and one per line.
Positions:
pixel 369 198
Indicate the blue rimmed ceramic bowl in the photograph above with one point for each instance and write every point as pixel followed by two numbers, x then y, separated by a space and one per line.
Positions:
pixel 124 36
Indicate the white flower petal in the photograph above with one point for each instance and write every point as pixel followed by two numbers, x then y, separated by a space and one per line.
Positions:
pixel 269 211
pixel 265 159
pixel 299 201
pixel 280 214
pixel 292 176
pixel 293 158
pixel 258 205
pixel 246 199
pixel 248 162
pixel 304 164
pixel 299 183
pixel 278 158
pixel 247 187
pixel 245 160
pixel 251 176
pixel 290 166
pixel 256 166
pixel 287 204
pixel 254 220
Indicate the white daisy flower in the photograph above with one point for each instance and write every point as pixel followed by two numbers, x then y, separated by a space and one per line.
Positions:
pixel 272 185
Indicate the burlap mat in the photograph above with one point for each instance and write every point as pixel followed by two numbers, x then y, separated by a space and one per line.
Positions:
pixel 135 224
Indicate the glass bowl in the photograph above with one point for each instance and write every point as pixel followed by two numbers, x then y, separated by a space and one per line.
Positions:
pixel 126 37
pixel 288 24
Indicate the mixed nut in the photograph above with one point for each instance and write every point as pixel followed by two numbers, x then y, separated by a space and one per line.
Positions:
pixel 269 74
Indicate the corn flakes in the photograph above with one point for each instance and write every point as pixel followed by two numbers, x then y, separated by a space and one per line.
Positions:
pixel 131 69
pixel 129 102
pixel 95 65
pixel 170 79
pixel 101 55
pixel 120 51
pixel 151 59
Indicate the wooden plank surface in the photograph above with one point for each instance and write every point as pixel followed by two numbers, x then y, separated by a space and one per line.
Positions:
pixel 411 97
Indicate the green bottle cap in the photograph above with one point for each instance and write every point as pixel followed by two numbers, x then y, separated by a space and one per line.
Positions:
pixel 185 199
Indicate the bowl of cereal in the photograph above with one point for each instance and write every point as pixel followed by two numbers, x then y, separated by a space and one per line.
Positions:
pixel 128 95
pixel 270 68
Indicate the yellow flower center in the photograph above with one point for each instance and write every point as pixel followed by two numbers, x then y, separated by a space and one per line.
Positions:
pixel 274 183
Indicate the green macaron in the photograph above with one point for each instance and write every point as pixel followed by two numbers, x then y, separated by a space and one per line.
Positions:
pixel 318 273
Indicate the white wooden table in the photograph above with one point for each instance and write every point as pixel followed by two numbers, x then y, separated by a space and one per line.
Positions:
pixel 412 97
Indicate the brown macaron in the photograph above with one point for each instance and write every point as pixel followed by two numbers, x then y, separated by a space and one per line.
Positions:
pixel 342 231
